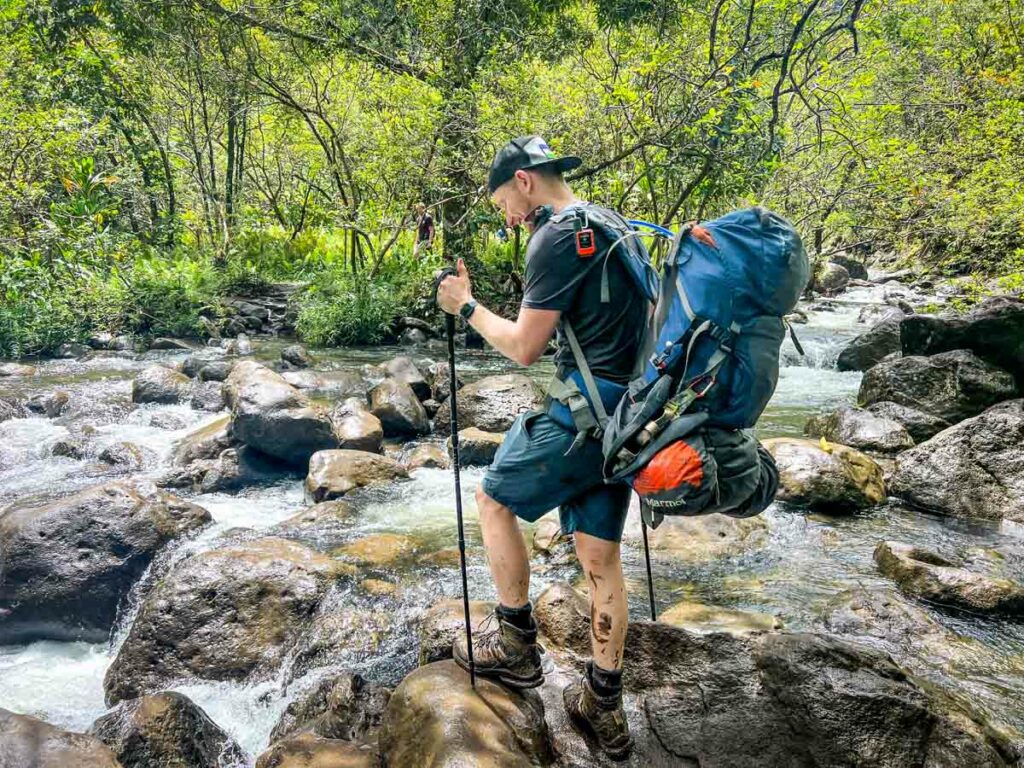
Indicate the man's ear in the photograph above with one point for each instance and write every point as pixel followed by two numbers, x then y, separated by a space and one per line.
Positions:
pixel 523 181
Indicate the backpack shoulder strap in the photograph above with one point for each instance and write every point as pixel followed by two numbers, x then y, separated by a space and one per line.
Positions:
pixel 588 378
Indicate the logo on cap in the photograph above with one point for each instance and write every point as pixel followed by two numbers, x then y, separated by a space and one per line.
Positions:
pixel 543 146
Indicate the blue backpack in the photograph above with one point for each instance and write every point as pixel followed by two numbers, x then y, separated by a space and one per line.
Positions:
pixel 711 354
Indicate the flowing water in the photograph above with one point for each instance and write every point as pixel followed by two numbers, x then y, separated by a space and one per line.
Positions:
pixel 804 561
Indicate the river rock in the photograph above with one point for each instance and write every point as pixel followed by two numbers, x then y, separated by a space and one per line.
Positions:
pixel 297 355
pixel 157 384
pixel 953 385
pixel 234 469
pixel 332 474
pixel 434 718
pixel 166 729
pixel 404 370
pixel 307 750
pixel 973 469
pixel 861 429
pixel 835 478
pixel 427 455
pixel 704 538
pixel 854 268
pixel 208 396
pixel 399 410
pixel 16 369
pixel 994 330
pixel 162 342
pixel 336 385
pixel 379 550
pixel 342 706
pixel 325 518
pixel 216 370
pixel 51 405
pixel 929 576
pixel 71 448
pixel 919 425
pixel 491 404
pixel 100 340
pixel 833 279
pixel 11 409
pixel 68 563
pixel 223 614
pixel 272 416
pixel 125 456
pixel 355 427
pixel 205 442
pixel 442 622
pixel 168 420
pixel 872 346
pixel 340 634
pixel 440 381
pixel 26 742
pixel 412 337
pixel 698 617
pixel 476 447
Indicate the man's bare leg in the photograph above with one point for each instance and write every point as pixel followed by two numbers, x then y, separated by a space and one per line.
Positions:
pixel 506 551
pixel 609 611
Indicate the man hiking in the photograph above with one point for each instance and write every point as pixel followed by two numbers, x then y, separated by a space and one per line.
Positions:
pixel 541 464
pixel 424 230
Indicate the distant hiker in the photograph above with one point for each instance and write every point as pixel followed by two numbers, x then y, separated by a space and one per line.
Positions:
pixel 545 461
pixel 424 230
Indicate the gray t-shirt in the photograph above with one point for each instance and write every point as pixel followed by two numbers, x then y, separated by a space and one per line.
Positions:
pixel 558 278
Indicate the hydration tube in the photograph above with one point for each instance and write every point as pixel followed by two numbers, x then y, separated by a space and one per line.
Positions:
pixel 656 229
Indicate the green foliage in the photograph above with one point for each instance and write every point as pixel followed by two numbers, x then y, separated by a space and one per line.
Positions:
pixel 341 310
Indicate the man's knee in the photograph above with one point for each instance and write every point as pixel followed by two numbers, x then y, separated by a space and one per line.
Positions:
pixel 596 554
pixel 489 509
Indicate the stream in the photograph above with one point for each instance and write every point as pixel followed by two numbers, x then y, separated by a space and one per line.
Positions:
pixel 804 563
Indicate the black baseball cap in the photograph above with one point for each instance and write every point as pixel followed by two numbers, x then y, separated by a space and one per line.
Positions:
pixel 522 154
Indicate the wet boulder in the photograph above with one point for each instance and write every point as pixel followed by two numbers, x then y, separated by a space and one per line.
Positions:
pixel 274 417
pixel 232 470
pixel 336 385
pixel 434 718
pixel 973 469
pixel 704 538
pixel 298 356
pixel 403 369
pixel 829 478
pixel 50 405
pixel 860 429
pixel 919 425
pixel 158 384
pixel 208 396
pixel 698 617
pixel 11 409
pixel 355 427
pixel 327 517
pixel 342 706
pixel 379 550
pixel 332 474
pixel 929 576
pixel 440 382
pixel 307 750
pixel 125 456
pixel 340 634
pixel 854 268
pixel 163 342
pixel 427 455
pixel 68 563
pixel 223 614
pixel 833 279
pixel 400 412
pixel 216 370
pixel 993 330
pixel 476 447
pixel 491 403
pixel 443 622
pixel 872 346
pixel 165 729
pixel 16 369
pixel 26 742
pixel 205 442
pixel 953 385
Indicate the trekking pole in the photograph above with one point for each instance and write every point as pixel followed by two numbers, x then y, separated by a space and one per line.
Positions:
pixel 449 322
pixel 650 578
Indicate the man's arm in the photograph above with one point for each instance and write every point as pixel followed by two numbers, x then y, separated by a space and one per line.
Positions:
pixel 523 340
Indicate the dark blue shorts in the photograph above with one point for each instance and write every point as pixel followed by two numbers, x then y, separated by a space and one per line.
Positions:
pixel 531 475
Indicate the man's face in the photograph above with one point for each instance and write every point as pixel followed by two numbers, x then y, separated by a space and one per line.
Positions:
pixel 513 199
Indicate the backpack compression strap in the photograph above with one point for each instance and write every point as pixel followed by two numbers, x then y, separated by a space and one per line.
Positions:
pixel 591 417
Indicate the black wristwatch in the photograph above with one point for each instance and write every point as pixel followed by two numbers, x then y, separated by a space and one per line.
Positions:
pixel 467 309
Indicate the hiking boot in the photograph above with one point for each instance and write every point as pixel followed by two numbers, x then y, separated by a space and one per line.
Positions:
pixel 601 716
pixel 503 652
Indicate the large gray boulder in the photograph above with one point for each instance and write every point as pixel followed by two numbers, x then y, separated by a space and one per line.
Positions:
pixel 205 442
pixel 491 403
pixel 403 369
pixel 994 330
pixel 833 279
pixel 973 469
pixel 400 412
pixel 476 447
pixel 860 429
pixel 11 409
pixel 872 346
pixel 26 742
pixel 166 729
pixel 342 706
pixel 223 614
pixel 832 478
pixel 274 417
pixel 919 425
pixel 232 470
pixel 158 384
pixel 66 564
pixel 355 427
pixel 332 474
pixel 929 576
pixel 953 385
